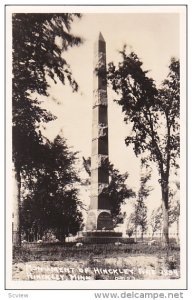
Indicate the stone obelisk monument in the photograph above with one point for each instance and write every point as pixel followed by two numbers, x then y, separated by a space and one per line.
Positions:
pixel 99 215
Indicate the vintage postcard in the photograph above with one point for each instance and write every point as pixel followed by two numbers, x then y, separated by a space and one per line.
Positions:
pixel 96 147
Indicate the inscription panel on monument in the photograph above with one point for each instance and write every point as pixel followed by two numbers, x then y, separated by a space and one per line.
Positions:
pixel 104 221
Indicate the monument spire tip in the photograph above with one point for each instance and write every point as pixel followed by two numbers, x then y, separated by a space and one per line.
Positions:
pixel 101 38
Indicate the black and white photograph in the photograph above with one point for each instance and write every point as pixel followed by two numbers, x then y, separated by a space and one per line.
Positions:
pixel 96 147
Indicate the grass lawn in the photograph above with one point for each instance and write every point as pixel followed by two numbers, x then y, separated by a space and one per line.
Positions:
pixel 95 262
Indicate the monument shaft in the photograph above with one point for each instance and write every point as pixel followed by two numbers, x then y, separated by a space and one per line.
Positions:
pixel 99 216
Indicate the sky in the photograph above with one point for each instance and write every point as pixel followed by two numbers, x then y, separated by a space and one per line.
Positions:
pixel 154 37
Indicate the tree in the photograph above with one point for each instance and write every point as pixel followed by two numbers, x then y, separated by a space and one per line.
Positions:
pixel 174 215
pixel 37 55
pixel 139 217
pixel 117 190
pixel 130 224
pixel 52 201
pixel 156 220
pixel 153 116
pixel 174 207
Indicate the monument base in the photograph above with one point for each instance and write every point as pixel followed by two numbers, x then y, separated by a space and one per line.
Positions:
pixel 101 237
pixel 99 220
pixel 99 228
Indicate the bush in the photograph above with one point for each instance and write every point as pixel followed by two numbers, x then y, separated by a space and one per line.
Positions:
pixel 172 263
pixel 20 254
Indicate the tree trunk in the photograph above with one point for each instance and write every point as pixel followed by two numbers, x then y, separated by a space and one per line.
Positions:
pixel 16 208
pixel 135 233
pixel 165 208
pixel 142 235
